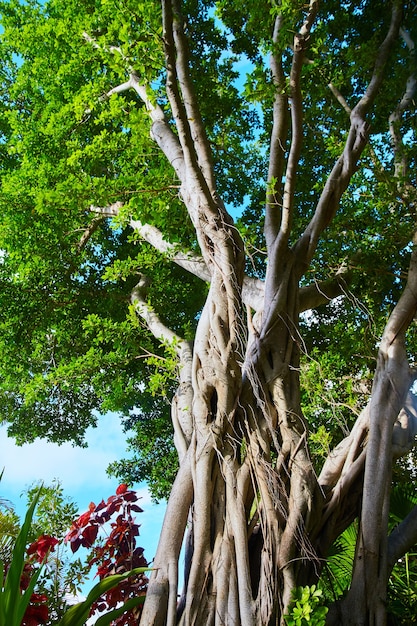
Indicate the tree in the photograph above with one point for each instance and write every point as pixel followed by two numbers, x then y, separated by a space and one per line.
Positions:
pixel 288 332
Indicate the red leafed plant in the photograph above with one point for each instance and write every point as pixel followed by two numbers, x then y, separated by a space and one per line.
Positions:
pixel 41 547
pixel 117 553
pixel 37 611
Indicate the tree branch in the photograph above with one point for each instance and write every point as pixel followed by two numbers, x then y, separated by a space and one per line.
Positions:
pixel 89 231
pixel 189 153
pixel 111 210
pixel 344 467
pixel 390 386
pixel 154 323
pixel 318 293
pixel 310 296
pixel 192 263
pixel 192 109
pixel 384 52
pixel 163 585
pixel 160 131
pixel 300 45
pixel 182 119
pixel 402 539
pixel 340 98
pixel 277 142
pixel 379 168
pixel 394 120
pixel 206 210
pixel 182 401
pixel 301 40
pixel 343 169
pixel 252 290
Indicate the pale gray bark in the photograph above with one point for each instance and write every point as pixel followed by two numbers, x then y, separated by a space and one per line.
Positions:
pixel 181 403
pixel 394 120
pixel 402 539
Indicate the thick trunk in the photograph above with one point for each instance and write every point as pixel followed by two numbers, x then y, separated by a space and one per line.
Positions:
pixel 252 479
pixel 259 522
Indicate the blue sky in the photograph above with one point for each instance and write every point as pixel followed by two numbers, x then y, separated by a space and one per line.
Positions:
pixel 81 471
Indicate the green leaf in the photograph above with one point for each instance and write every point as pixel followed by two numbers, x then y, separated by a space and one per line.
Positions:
pixel 78 614
pixel 13 602
pixel 2 599
pixel 106 620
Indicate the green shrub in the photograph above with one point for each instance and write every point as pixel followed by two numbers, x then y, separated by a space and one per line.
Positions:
pixel 306 607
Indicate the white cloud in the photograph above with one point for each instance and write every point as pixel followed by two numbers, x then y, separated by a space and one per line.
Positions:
pixel 73 466
pixel 81 471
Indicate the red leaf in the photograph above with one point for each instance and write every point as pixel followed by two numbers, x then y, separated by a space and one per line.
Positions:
pixel 104 517
pixel 73 532
pixel 89 536
pixel 121 489
pixel 75 544
pixel 114 506
pixel 130 496
pixel 41 547
pixel 37 611
pixel 38 598
pixel 84 518
pixel 134 530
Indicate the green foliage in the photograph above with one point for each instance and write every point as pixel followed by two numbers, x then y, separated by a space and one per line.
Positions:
pixel 80 350
pixel 320 442
pixel 335 386
pixel 337 573
pixel 54 511
pixel 9 529
pixel 402 585
pixel 77 615
pixel 62 576
pixel 153 456
pixel 306 607
pixel 13 603
pixel 402 591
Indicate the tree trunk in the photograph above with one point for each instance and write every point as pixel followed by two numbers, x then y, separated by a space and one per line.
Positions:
pixel 259 520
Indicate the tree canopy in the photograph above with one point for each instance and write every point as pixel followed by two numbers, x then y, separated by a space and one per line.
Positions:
pixel 207 226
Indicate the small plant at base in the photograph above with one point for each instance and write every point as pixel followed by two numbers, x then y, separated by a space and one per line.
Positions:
pixel 306 608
